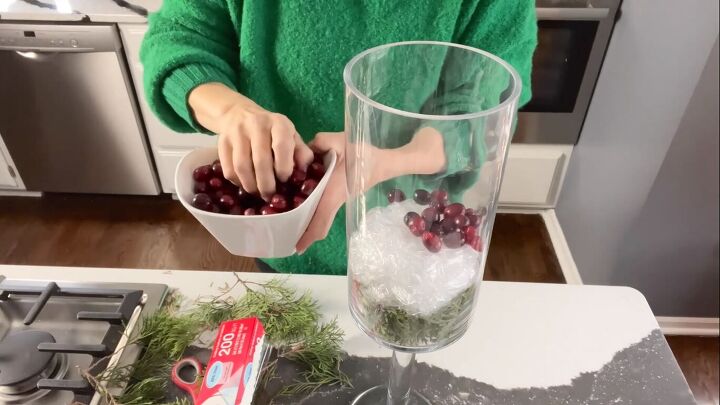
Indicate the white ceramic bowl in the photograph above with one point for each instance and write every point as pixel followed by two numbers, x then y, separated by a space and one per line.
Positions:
pixel 252 236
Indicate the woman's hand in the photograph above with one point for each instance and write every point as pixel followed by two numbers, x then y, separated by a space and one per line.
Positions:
pixel 254 144
pixel 424 154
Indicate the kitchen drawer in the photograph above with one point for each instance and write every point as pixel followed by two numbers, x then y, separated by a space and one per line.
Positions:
pixel 534 175
pixel 166 162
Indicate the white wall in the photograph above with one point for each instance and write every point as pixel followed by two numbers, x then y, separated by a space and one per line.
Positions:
pixel 654 61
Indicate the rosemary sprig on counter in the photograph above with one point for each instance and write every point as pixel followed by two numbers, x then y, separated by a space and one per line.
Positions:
pixel 292 325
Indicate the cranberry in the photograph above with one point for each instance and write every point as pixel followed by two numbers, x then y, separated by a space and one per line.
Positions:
pixel 236 210
pixel 316 170
pixel 448 225
pixel 421 197
pixel 454 209
pixel 227 201
pixel 460 221
pixel 216 161
pixel 215 208
pixel 217 169
pixel 454 239
pixel 298 176
pixel 249 211
pixel 437 229
pixel 267 210
pixel 476 243
pixel 395 195
pixel 200 187
pixel 202 173
pixel 470 232
pixel 243 195
pixel 308 187
pixel 431 241
pixel 473 219
pixel 202 201
pixel 439 196
pixel 298 200
pixel 278 202
pixel 483 211
pixel 439 205
pixel 415 223
pixel 216 195
pixel 470 211
pixel 430 214
pixel 215 183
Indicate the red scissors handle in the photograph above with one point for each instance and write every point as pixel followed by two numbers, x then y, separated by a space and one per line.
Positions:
pixel 191 387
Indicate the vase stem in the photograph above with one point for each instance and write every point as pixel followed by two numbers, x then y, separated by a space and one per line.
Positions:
pixel 401 372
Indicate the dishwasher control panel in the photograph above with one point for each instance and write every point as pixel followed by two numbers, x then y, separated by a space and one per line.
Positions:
pixel 22 37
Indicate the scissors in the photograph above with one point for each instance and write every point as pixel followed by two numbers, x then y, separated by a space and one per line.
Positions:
pixel 191 387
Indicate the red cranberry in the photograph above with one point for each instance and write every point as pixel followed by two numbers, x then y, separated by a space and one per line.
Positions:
pixel 454 239
pixel 439 205
pixel 202 201
pixel 430 214
pixel 308 186
pixel 415 223
pixel 298 176
pixel 421 197
pixel 217 169
pixel 460 221
pixel 439 196
pixel 470 232
pixel 472 219
pixel 250 211
pixel 470 211
pixel 243 195
pixel 431 241
pixel 437 229
pixel 395 195
pixel 216 195
pixel 476 243
pixel 215 183
pixel 227 201
pixel 316 170
pixel 215 208
pixel 454 209
pixel 448 225
pixel 278 202
pixel 216 161
pixel 267 210
pixel 236 210
pixel 298 200
pixel 202 173
pixel 200 187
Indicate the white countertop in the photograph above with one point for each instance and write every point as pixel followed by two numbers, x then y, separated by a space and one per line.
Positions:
pixel 522 334
pixel 128 11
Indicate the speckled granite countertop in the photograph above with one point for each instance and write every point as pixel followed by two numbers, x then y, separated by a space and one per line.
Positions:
pixel 120 11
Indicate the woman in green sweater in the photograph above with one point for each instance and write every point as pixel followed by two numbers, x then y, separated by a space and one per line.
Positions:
pixel 266 77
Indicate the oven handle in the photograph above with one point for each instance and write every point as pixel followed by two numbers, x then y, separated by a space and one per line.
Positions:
pixel 556 13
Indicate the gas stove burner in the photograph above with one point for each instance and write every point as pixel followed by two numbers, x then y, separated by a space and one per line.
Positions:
pixel 22 365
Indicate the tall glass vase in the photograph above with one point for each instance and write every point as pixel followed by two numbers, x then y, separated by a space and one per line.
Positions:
pixel 428 125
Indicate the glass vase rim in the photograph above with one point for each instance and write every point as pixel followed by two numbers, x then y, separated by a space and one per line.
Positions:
pixel 517 84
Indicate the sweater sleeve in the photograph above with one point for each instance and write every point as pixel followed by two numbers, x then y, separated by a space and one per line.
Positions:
pixel 188 43
pixel 507 29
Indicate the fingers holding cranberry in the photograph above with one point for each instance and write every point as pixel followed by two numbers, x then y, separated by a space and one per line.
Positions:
pixel 214 192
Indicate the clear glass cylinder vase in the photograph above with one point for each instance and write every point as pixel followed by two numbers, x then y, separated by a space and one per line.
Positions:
pixel 428 125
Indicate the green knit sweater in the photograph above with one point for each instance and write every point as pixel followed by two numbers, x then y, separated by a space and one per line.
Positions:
pixel 288 57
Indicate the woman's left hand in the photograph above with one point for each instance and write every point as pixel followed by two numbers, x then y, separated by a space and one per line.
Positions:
pixel 424 154
pixel 334 196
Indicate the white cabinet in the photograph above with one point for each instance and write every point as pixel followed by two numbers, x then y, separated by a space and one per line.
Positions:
pixel 534 175
pixel 9 178
pixel 167 146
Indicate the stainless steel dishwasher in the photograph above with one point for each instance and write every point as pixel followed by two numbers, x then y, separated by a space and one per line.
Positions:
pixel 68 113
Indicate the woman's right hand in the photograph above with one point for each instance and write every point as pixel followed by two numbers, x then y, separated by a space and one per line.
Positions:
pixel 254 144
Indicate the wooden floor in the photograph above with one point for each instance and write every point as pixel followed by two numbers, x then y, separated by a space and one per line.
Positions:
pixel 157 233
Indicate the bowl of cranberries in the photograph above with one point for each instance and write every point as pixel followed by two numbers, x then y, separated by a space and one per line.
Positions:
pixel 244 223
